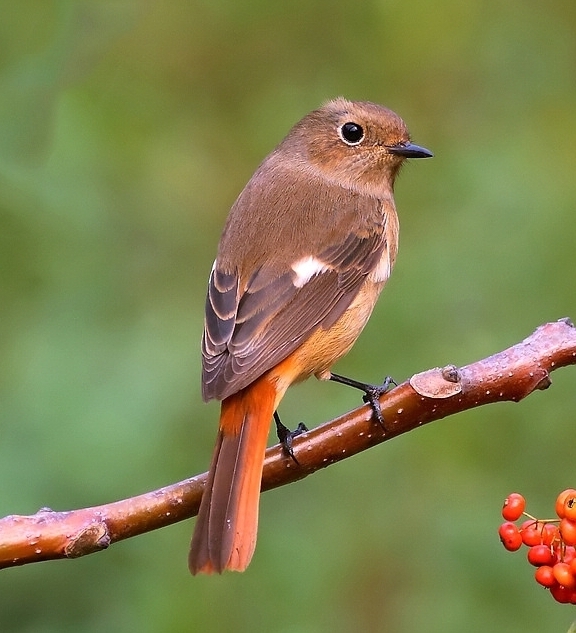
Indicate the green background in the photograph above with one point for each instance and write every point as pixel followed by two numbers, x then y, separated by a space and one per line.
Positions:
pixel 126 131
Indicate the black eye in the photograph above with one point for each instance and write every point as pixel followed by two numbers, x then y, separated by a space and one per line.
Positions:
pixel 351 133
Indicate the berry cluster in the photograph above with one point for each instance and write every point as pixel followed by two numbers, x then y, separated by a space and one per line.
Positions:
pixel 551 542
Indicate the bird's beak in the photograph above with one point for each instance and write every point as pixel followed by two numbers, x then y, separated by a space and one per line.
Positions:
pixel 409 150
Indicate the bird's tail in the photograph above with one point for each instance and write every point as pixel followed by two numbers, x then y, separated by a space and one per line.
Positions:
pixel 225 532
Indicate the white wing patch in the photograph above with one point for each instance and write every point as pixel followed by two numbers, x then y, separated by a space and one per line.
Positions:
pixel 383 269
pixel 306 268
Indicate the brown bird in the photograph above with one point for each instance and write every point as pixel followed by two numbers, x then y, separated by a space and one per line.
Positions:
pixel 307 247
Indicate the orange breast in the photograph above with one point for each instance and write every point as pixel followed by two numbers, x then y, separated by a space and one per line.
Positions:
pixel 325 347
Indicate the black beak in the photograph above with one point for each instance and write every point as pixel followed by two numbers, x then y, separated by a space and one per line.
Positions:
pixel 409 150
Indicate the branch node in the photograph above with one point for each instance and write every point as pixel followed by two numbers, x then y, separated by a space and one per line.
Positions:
pixel 544 382
pixel 437 383
pixel 92 538
pixel 451 373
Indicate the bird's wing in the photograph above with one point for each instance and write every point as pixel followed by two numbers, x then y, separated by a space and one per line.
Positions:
pixel 249 330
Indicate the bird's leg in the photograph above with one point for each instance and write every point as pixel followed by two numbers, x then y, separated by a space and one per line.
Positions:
pixel 285 435
pixel 372 393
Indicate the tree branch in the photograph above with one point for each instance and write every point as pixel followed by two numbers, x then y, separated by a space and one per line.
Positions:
pixel 511 374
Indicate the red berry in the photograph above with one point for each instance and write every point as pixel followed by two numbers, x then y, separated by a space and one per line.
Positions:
pixel 561 499
pixel 540 555
pixel 513 507
pixel 561 594
pixel 510 536
pixel 531 533
pixel 545 576
pixel 549 533
pixel 568 531
pixel 563 575
pixel 569 554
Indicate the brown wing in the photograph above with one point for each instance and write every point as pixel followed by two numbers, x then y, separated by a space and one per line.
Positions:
pixel 248 333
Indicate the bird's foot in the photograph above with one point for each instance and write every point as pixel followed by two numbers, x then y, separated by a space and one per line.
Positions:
pixel 372 393
pixel 286 436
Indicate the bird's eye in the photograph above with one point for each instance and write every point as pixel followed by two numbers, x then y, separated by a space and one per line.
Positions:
pixel 351 133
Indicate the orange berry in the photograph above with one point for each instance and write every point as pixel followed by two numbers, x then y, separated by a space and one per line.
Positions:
pixel 563 575
pixel 570 507
pixel 568 531
pixel 513 507
pixel 561 499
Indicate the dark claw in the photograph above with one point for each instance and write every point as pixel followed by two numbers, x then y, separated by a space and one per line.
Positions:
pixel 286 436
pixel 372 397
pixel 372 393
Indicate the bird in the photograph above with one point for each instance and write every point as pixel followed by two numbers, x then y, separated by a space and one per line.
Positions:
pixel 306 249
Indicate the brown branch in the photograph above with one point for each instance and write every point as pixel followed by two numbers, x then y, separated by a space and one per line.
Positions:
pixel 509 375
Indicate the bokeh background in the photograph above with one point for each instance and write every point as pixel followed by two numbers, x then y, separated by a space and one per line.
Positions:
pixel 126 131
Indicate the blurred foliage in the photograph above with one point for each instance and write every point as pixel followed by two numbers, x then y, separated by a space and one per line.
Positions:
pixel 126 130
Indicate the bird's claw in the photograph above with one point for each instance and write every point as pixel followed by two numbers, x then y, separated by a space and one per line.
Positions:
pixel 286 436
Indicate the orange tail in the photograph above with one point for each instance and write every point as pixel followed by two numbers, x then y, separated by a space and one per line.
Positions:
pixel 225 532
